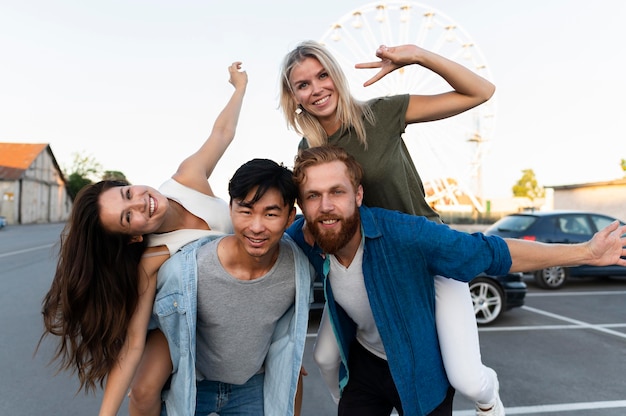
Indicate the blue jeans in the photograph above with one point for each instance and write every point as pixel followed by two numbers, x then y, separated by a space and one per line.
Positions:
pixel 230 399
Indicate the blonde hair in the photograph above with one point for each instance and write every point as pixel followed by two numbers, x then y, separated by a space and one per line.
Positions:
pixel 350 112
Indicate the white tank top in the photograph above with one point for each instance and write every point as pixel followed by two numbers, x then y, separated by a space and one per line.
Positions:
pixel 212 210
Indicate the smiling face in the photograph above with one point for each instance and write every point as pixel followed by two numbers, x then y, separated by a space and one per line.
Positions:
pixel 258 227
pixel 330 205
pixel 314 90
pixel 134 210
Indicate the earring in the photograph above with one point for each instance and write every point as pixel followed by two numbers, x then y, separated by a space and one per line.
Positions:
pixel 299 109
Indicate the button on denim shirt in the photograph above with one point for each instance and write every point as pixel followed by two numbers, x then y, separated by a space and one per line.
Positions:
pixel 175 311
pixel 401 256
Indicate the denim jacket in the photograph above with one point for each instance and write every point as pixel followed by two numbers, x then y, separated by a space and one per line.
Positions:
pixel 401 255
pixel 175 310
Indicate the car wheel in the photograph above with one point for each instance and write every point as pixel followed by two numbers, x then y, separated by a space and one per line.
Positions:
pixel 551 277
pixel 488 300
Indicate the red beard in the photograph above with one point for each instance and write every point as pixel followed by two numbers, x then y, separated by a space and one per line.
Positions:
pixel 333 241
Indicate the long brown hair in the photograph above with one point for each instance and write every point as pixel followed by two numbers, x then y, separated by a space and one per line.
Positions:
pixel 94 292
pixel 350 111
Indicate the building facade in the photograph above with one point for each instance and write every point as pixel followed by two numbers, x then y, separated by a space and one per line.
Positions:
pixel 607 197
pixel 32 186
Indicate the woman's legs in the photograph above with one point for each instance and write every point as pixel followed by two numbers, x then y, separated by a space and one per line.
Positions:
pixel 153 371
pixel 458 340
pixel 326 355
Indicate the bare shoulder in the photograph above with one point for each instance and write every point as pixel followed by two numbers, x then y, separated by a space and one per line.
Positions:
pixel 152 260
pixel 193 176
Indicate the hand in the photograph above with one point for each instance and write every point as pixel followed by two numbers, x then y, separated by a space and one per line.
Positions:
pixel 391 58
pixel 238 78
pixel 607 246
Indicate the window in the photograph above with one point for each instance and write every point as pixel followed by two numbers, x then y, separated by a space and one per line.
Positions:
pixel 575 224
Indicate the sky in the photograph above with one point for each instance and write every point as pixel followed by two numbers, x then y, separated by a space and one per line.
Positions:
pixel 137 84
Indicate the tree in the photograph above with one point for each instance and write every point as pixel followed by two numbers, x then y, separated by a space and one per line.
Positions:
pixel 85 170
pixel 114 175
pixel 75 183
pixel 624 166
pixel 528 187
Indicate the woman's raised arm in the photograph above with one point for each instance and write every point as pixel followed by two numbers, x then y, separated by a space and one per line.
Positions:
pixel 197 168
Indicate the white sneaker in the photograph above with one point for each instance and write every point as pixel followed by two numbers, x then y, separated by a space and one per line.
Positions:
pixel 497 409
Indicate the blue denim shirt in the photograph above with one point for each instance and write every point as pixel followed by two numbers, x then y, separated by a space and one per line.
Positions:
pixel 175 310
pixel 402 253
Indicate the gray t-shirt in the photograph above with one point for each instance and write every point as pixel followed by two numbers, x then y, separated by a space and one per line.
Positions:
pixel 236 318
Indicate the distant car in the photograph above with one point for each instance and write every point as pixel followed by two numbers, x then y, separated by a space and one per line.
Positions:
pixel 3 222
pixel 557 227
pixel 491 295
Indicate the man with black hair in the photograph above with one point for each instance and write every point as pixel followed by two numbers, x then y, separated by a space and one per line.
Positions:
pixel 241 352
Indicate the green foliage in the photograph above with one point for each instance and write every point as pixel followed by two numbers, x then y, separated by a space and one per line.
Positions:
pixel 86 170
pixel 113 175
pixel 75 183
pixel 624 166
pixel 527 186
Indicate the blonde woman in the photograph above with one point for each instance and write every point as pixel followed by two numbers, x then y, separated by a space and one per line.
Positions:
pixel 316 102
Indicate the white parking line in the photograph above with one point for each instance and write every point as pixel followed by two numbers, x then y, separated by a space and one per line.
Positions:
pixel 552 408
pixel 548 408
pixel 582 324
pixel 26 250
pixel 568 294
pixel 544 327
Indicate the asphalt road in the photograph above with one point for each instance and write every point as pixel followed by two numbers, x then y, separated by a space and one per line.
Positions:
pixel 561 354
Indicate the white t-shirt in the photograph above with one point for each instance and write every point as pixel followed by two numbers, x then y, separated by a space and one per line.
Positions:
pixel 349 292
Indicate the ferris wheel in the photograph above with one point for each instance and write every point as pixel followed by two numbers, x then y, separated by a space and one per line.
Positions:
pixel 448 153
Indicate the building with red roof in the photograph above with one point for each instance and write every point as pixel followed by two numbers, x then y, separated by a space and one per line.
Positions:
pixel 32 186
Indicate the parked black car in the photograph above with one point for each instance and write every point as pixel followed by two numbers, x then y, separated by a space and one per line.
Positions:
pixel 491 295
pixel 557 227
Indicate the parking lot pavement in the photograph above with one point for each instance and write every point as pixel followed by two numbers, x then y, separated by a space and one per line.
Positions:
pixel 561 354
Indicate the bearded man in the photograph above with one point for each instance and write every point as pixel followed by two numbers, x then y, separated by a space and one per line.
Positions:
pixel 378 268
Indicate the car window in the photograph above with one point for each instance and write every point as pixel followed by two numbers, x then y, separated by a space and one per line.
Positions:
pixel 575 224
pixel 514 223
pixel 601 221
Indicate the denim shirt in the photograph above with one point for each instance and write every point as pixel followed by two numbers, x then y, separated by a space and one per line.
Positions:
pixel 175 310
pixel 401 255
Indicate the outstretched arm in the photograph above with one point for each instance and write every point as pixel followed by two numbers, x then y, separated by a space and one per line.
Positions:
pixel 469 88
pixel 605 248
pixel 197 168
pixel 122 373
